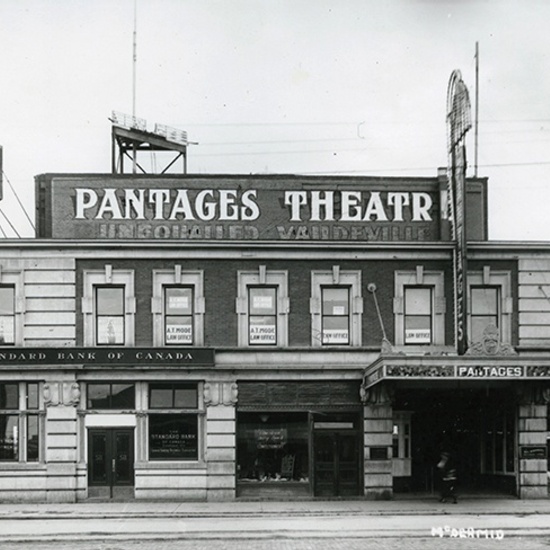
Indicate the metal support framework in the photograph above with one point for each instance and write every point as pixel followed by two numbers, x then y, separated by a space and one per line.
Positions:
pixel 129 142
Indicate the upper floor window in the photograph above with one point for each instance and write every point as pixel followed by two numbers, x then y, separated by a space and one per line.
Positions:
pixel 178 315
pixel 419 308
pixel 418 314
pixel 336 308
pixel 484 310
pixel 262 315
pixel 178 307
pixel 262 308
pixel 108 307
pixel 110 315
pixel 490 304
pixel 7 315
pixel 335 315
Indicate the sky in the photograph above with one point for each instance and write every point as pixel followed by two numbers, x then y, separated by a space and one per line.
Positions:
pixel 321 87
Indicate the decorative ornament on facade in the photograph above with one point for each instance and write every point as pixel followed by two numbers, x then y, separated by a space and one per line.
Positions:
pixel 72 394
pixel 382 394
pixel 48 397
pixel 490 344
pixel 220 393
pixel 61 394
pixel 439 371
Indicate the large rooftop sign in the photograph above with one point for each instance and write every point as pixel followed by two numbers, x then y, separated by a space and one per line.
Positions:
pixel 281 208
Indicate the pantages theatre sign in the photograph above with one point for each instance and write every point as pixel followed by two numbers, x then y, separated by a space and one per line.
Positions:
pixel 280 208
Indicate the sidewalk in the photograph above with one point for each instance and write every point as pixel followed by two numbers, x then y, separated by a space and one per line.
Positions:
pixel 162 509
pixel 350 519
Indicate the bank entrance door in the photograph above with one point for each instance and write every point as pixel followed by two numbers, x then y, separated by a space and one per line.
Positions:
pixel 336 463
pixel 111 463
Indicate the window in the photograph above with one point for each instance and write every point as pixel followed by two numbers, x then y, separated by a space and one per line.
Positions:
pixel 109 316
pixel 20 421
pixel 108 307
pixel 498 441
pixel 272 447
pixel 419 308
pixel 178 315
pixel 174 424
pixel 418 315
pixel 110 396
pixel 262 308
pixel 7 315
pixel 490 304
pixel 178 307
pixel 335 315
pixel 262 316
pixel 336 308
pixel 484 310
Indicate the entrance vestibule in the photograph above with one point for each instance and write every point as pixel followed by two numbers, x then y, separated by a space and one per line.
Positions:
pixel 478 428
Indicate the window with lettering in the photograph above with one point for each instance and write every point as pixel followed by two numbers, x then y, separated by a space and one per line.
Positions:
pixel 178 306
pixel 262 316
pixel 335 315
pixel 262 307
pixel 110 315
pixel 20 422
pixel 336 308
pixel 7 315
pixel 173 421
pixel 418 314
pixel 178 315
pixel 419 308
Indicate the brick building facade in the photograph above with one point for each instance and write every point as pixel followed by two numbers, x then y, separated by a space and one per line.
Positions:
pixel 222 337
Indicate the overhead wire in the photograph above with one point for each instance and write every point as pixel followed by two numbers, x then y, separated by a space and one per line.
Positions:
pixel 18 200
pixel 10 224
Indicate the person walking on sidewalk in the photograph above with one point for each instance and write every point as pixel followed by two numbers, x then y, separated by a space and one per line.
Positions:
pixel 448 477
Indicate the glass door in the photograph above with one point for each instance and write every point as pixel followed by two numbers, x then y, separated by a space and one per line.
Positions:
pixel 336 464
pixel 110 462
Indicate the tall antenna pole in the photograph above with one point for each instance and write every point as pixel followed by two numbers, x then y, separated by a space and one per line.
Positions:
pixel 134 63
pixel 476 124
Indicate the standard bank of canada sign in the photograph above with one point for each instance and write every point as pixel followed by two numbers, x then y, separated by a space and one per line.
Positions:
pixel 244 208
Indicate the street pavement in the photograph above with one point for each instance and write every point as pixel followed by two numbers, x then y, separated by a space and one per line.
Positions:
pixel 298 525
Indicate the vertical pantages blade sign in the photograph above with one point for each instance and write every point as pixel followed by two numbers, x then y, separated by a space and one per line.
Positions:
pixel 458 123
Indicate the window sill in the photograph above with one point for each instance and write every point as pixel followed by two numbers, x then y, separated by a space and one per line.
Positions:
pixel 6 465
pixel 171 465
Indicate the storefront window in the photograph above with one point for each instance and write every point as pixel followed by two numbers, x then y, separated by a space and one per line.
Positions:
pixel 173 437
pixel 174 429
pixel 272 447
pixel 20 425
